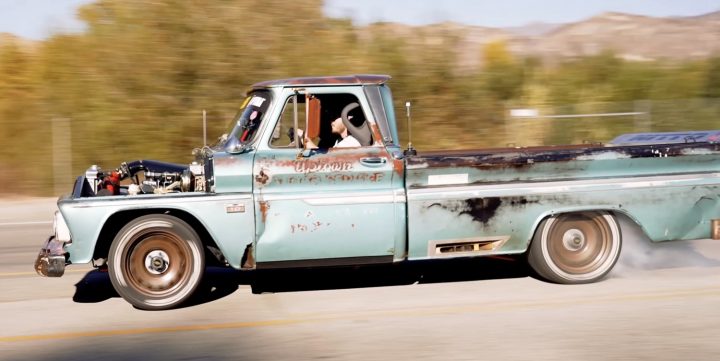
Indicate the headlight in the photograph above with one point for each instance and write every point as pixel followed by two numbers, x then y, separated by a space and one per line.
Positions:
pixel 60 228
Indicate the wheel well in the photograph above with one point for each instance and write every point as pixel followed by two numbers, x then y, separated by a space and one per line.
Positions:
pixel 118 220
pixel 629 227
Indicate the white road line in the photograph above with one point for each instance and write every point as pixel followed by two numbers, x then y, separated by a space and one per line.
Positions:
pixel 10 224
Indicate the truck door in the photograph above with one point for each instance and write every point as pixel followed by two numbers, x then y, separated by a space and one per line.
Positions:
pixel 332 206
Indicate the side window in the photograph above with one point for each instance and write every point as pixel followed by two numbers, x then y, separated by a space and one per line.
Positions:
pixel 283 135
pixel 336 132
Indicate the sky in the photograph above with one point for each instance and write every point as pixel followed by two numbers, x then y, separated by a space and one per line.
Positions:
pixel 38 19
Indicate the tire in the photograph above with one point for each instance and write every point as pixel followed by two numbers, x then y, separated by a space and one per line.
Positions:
pixel 572 248
pixel 156 262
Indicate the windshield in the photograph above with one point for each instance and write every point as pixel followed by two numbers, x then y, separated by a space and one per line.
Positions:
pixel 248 120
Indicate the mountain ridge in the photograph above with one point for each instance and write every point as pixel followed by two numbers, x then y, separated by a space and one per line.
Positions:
pixel 630 36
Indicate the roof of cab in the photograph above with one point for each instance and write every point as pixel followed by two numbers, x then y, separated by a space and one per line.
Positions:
pixel 360 79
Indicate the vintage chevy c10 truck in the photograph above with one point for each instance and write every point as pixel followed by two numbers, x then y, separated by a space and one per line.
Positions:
pixel 263 198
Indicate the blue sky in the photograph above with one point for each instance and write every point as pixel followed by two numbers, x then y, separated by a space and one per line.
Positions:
pixel 37 19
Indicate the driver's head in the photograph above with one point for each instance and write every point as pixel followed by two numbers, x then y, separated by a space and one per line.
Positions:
pixel 337 126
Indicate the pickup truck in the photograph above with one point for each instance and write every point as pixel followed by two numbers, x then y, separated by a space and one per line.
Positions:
pixel 267 196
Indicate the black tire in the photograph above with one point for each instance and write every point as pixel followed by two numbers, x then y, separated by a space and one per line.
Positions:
pixel 574 248
pixel 156 262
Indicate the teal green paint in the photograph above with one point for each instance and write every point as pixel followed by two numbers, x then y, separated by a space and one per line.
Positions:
pixel 231 231
pixel 390 112
pixel 233 172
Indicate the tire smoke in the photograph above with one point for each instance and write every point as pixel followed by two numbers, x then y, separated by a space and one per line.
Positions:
pixel 640 253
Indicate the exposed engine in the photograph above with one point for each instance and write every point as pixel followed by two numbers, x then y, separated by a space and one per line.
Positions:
pixel 146 177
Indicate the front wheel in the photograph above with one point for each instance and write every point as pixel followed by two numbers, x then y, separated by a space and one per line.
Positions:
pixel 156 262
pixel 577 247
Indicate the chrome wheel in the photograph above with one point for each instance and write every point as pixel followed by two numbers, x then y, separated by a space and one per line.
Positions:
pixel 156 262
pixel 576 247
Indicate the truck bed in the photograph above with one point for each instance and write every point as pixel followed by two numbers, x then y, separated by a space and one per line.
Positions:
pixel 670 190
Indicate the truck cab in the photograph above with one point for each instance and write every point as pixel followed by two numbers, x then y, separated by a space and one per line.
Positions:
pixel 327 205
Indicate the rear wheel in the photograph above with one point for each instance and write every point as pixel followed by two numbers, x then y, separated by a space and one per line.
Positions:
pixel 577 247
pixel 156 262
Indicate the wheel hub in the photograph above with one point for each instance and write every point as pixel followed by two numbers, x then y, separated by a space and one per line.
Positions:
pixel 573 240
pixel 157 262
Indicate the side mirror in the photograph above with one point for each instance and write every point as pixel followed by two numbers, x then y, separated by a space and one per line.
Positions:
pixel 313 117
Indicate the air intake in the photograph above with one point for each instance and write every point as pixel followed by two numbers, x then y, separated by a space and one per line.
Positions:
pixel 465 247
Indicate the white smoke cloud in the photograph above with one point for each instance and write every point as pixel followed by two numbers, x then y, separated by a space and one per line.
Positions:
pixel 640 253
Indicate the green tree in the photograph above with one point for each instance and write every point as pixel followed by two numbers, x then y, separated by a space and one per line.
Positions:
pixel 503 75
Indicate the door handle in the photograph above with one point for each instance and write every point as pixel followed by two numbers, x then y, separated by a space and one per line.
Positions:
pixel 373 161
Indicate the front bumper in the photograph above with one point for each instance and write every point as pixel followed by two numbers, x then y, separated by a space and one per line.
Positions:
pixel 51 260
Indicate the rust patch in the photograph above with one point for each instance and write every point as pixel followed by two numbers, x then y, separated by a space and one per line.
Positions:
pixel 264 207
pixel 524 158
pixel 399 166
pixel 262 177
pixel 377 136
pixel 248 261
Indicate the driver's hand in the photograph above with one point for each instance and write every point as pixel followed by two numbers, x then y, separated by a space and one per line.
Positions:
pixel 309 144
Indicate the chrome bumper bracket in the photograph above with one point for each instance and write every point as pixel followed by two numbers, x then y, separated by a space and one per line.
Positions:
pixel 51 260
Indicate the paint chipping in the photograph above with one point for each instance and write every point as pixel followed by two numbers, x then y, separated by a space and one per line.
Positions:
pixel 375 131
pixel 264 207
pixel 298 228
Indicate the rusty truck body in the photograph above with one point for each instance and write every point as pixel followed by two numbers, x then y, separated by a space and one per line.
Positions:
pixel 264 198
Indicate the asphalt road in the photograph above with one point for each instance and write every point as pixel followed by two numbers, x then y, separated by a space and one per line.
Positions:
pixel 661 303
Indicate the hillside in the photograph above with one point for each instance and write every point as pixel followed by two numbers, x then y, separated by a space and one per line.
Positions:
pixel 631 37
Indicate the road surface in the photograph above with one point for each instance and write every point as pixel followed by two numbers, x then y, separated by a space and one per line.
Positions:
pixel 661 303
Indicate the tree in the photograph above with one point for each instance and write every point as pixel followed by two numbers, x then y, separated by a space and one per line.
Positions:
pixel 503 75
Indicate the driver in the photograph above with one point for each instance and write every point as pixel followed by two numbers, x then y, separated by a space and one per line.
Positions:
pixel 346 139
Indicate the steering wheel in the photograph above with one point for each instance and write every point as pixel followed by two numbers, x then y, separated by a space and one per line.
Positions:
pixel 344 114
pixel 361 133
